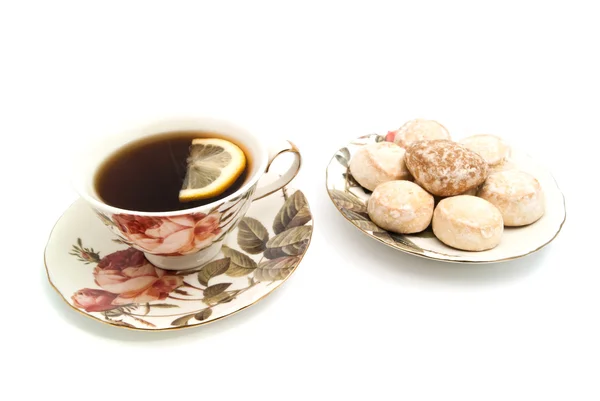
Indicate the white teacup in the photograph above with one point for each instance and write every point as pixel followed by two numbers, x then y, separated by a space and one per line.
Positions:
pixel 182 239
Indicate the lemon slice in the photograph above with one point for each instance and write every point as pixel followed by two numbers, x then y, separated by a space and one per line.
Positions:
pixel 212 166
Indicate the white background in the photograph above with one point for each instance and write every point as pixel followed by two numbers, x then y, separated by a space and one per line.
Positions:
pixel 357 319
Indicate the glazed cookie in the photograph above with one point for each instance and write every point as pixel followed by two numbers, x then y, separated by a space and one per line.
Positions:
pixel 504 166
pixel 467 222
pixel 417 130
pixel 377 163
pixel 445 168
pixel 401 206
pixel 517 195
pixel 492 148
pixel 472 191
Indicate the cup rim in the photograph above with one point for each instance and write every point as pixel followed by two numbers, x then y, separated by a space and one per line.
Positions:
pixel 260 162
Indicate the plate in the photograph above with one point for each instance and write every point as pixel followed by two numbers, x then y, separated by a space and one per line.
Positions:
pixel 350 199
pixel 106 280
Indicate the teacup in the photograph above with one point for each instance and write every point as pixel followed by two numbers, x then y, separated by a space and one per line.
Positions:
pixel 183 239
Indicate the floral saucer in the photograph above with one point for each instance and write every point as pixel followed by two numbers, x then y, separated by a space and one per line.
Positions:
pixel 350 199
pixel 103 278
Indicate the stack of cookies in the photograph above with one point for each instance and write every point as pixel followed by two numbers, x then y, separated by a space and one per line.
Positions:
pixel 467 190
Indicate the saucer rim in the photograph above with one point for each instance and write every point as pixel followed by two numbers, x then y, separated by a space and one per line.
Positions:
pixel 439 259
pixel 201 323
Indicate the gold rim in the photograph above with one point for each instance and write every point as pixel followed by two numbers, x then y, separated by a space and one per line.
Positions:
pixel 273 288
pixel 423 255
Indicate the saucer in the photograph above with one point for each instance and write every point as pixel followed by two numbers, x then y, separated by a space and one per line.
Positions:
pixel 350 199
pixel 104 279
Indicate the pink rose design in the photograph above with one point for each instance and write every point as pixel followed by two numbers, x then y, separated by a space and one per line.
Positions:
pixel 93 300
pixel 133 279
pixel 177 235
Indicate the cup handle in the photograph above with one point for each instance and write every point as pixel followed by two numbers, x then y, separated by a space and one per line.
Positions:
pixel 274 151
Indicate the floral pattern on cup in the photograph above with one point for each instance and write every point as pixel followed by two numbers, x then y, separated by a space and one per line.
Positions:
pixel 134 293
pixel 172 235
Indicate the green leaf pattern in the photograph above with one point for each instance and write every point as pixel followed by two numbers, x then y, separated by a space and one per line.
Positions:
pixel 276 269
pixel 216 289
pixel 294 213
pixel 213 269
pixel 289 243
pixel 252 235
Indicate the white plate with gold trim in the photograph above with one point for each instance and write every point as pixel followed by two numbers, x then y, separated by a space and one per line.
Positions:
pixel 350 199
pixel 115 284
